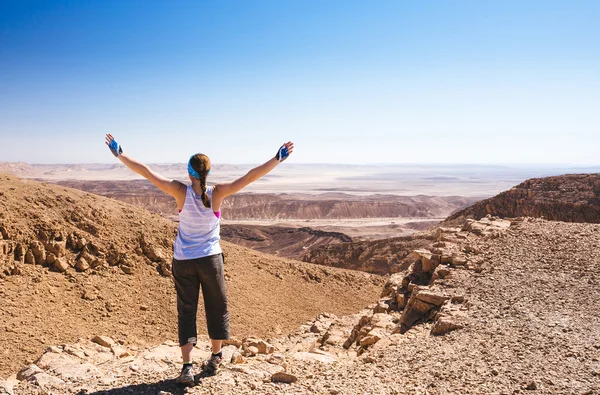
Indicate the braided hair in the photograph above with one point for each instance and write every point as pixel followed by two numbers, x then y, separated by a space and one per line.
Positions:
pixel 201 165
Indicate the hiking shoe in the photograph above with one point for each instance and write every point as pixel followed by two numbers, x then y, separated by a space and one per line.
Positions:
pixel 212 364
pixel 186 377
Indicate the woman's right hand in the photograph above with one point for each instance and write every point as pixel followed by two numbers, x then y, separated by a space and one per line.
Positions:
pixel 284 151
pixel 114 147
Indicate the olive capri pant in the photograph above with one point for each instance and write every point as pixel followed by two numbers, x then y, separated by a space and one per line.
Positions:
pixel 189 276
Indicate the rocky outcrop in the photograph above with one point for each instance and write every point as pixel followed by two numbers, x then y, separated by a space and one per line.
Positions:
pixel 568 198
pixel 279 240
pixel 371 256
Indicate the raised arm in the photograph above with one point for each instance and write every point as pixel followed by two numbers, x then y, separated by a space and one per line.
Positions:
pixel 172 187
pixel 224 189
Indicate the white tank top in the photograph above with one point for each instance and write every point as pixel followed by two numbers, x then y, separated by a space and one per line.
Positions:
pixel 198 235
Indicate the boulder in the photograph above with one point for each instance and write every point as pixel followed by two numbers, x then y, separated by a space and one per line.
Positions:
pixel 57 248
pixel 104 341
pixel 119 351
pixel 27 372
pixel 418 308
pixel 444 325
pixel 127 269
pixel 237 358
pixel 50 259
pixel 382 306
pixel 262 346
pixel 39 252
pixel 81 265
pixel 60 265
pixel 29 258
pixel 233 342
pixel 431 297
pixel 46 382
pixel 283 377
pixel 372 337
pixel 67 367
pixel 251 351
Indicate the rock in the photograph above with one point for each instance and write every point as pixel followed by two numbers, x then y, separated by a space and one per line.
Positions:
pixel 228 352
pixel 441 272
pixel 28 372
pixel 531 386
pixel 373 337
pixel 262 346
pixel 56 248
pixel 381 307
pixel 67 367
pixel 119 351
pixel 81 265
pixel 276 359
pixel 89 295
pixel 459 260
pixel 444 325
pixel 233 342
pixel 45 381
pixel 7 387
pixel 416 309
pixel 60 265
pixel 431 297
pixel 164 269
pixel 251 351
pixel 50 258
pixel 237 358
pixel 127 269
pixel 283 377
pixel 401 301
pixel 39 252
pixel 29 258
pixel 104 341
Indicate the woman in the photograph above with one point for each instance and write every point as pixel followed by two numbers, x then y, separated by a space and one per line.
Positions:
pixel 198 260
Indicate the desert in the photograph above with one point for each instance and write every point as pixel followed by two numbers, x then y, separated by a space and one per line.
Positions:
pixel 299 197
pixel 464 300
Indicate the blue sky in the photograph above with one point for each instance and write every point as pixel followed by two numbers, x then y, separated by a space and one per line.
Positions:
pixel 348 81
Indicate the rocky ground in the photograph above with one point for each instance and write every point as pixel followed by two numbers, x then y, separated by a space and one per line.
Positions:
pixel 74 265
pixel 493 307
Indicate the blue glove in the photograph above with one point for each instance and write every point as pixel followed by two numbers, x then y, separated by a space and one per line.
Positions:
pixel 115 148
pixel 282 153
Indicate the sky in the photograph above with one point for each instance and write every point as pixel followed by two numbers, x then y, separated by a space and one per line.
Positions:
pixel 352 82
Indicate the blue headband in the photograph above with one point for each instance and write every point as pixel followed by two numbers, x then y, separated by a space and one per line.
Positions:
pixel 193 172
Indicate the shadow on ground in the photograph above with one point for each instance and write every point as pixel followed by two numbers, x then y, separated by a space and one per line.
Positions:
pixel 169 386
pixel 150 389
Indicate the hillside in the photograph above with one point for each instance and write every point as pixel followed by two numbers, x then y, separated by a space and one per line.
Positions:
pixel 74 265
pixel 282 241
pixel 373 256
pixel 491 309
pixel 568 198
